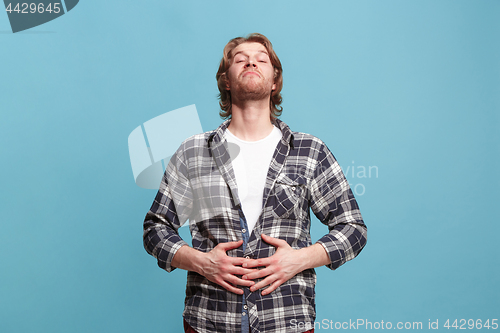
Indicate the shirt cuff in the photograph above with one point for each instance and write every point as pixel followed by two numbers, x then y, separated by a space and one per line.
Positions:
pixel 334 249
pixel 343 243
pixel 166 250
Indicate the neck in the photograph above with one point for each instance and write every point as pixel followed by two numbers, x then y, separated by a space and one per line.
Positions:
pixel 250 120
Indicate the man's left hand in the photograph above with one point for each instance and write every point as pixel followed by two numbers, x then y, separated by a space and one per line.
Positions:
pixel 284 264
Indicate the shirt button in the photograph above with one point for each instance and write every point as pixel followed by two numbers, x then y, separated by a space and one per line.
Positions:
pixel 245 307
pixel 243 230
pixel 247 257
pixel 243 313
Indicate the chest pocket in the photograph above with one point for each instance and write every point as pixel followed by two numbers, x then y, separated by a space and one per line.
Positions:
pixel 288 192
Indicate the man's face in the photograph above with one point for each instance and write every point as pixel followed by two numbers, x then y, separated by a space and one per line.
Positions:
pixel 251 74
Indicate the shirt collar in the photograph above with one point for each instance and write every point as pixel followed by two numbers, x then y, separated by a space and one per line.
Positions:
pixel 217 136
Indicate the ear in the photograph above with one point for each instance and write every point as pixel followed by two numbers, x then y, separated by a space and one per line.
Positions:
pixel 275 76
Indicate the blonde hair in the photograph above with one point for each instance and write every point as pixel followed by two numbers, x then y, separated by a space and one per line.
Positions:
pixel 225 63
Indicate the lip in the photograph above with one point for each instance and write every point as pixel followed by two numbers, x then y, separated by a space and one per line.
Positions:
pixel 251 72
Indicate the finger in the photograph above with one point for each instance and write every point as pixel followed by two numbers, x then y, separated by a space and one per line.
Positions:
pixel 241 271
pixel 238 261
pixel 230 288
pixel 230 245
pixel 236 269
pixel 252 263
pixel 257 274
pixel 272 287
pixel 267 281
pixel 273 241
pixel 240 282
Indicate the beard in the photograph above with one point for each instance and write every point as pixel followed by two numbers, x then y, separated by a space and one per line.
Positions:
pixel 251 89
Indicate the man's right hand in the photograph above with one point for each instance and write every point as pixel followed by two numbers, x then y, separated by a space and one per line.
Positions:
pixel 215 265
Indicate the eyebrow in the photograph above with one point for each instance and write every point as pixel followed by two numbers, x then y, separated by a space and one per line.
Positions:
pixel 262 51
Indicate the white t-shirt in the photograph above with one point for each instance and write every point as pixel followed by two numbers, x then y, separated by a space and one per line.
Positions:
pixel 250 166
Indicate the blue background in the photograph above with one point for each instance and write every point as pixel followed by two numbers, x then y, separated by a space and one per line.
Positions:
pixel 411 87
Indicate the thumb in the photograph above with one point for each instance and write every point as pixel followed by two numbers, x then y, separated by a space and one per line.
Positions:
pixel 273 241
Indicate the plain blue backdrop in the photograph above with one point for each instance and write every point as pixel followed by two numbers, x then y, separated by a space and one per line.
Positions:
pixel 410 88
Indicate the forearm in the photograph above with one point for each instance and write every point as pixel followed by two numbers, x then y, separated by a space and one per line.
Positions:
pixel 189 259
pixel 314 256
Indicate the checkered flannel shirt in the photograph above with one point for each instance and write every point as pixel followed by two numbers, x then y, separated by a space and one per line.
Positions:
pixel 199 185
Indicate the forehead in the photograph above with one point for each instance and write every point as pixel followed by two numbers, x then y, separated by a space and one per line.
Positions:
pixel 249 47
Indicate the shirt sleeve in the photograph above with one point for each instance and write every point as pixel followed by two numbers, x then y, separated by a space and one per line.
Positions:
pixel 333 203
pixel 169 211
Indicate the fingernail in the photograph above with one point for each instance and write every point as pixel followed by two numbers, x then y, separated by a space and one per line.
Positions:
pixel 245 265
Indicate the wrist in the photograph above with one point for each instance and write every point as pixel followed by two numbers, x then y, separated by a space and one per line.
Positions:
pixel 315 256
pixel 305 258
pixel 188 259
pixel 199 262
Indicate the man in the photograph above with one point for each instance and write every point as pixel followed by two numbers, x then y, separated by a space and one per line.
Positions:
pixel 246 189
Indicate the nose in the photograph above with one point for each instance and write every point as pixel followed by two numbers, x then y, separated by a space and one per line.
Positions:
pixel 251 62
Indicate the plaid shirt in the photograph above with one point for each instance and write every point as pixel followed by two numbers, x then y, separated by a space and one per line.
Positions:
pixel 199 185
